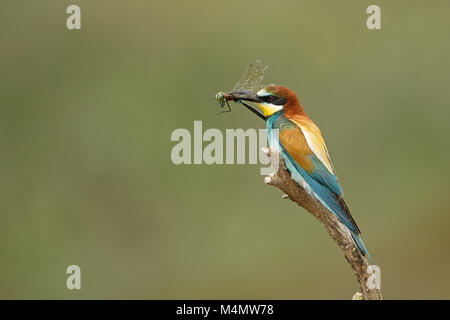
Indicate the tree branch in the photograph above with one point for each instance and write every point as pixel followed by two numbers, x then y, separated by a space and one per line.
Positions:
pixel 282 180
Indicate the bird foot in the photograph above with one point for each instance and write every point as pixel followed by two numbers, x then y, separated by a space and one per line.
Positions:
pixel 269 151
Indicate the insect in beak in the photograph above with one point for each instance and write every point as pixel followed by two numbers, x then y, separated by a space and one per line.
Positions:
pixel 223 98
pixel 245 88
pixel 240 97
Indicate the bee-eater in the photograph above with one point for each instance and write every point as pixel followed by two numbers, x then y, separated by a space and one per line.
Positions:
pixel 303 149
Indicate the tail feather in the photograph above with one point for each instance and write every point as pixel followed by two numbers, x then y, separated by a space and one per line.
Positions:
pixel 360 245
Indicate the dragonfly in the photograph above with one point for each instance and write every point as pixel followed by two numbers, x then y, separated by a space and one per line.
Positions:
pixel 251 81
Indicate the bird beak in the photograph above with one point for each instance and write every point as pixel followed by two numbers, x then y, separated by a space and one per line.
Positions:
pixel 246 96
pixel 241 96
pixel 267 108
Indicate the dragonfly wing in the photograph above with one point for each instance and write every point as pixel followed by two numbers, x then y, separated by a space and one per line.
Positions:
pixel 252 77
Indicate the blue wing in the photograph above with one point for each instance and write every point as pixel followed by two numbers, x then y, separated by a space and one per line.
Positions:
pixel 323 185
pixel 327 197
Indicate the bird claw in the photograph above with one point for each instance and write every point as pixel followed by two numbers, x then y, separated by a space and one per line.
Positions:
pixel 266 151
pixel 269 151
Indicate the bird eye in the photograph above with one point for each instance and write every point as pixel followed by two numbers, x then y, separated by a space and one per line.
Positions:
pixel 269 98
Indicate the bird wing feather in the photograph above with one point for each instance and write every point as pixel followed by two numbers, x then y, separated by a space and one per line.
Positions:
pixel 304 150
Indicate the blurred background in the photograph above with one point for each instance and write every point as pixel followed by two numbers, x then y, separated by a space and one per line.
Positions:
pixel 86 176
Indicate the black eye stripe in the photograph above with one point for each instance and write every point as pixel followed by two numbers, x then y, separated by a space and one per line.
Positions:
pixel 279 101
pixel 275 100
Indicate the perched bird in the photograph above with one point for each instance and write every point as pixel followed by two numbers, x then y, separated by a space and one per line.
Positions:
pixel 303 149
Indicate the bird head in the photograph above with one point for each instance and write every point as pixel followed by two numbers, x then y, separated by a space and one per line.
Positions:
pixel 272 99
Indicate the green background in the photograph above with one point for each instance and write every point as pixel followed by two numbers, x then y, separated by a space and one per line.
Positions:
pixel 86 176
